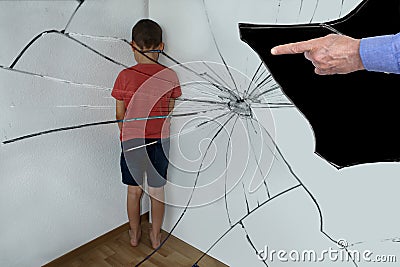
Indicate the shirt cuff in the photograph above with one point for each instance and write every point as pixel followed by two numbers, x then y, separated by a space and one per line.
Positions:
pixel 381 53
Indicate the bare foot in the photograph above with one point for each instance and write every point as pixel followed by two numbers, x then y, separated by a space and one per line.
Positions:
pixel 155 239
pixel 135 238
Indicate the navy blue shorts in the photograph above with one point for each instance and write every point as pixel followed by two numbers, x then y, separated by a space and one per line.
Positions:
pixel 152 159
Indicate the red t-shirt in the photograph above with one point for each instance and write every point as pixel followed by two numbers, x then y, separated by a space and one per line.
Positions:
pixel 146 90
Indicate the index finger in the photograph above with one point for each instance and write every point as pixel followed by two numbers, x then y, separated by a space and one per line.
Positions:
pixel 292 48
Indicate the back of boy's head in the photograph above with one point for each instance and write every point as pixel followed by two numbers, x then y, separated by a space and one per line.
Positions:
pixel 147 34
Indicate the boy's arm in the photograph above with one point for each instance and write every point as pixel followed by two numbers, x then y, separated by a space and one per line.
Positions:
pixel 120 112
pixel 171 105
pixel 176 92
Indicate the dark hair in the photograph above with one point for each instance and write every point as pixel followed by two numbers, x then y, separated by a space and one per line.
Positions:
pixel 147 33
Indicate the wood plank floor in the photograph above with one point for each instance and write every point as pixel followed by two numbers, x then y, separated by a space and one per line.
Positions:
pixel 113 249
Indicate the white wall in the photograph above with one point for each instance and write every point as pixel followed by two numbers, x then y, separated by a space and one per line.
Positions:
pixel 61 190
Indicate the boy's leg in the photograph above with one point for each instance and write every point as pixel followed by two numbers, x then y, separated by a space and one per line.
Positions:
pixel 157 214
pixel 133 208
pixel 156 179
pixel 132 168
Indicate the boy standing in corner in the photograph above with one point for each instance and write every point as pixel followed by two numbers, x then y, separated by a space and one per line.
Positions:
pixel 146 90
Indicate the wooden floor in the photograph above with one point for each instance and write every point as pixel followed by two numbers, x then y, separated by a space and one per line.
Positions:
pixel 113 249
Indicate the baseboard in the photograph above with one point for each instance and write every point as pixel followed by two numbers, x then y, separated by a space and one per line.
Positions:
pixel 88 246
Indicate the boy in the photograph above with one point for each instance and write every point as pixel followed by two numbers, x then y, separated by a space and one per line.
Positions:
pixel 142 91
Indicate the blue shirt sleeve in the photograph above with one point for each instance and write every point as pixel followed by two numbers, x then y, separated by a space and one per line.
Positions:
pixel 381 53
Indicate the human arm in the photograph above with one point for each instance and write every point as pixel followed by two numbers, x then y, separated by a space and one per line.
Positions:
pixel 176 92
pixel 120 112
pixel 171 105
pixel 331 54
pixel 118 94
pixel 381 53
